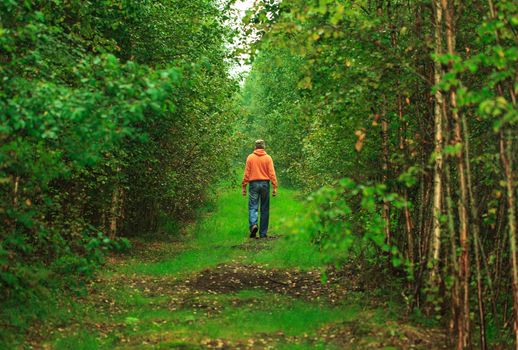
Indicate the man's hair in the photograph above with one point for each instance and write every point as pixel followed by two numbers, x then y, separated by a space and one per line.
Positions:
pixel 259 144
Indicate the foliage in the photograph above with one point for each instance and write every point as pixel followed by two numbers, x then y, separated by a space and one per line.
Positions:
pixel 344 215
pixel 349 90
pixel 112 116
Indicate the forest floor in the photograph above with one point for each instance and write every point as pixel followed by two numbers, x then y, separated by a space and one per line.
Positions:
pixel 214 288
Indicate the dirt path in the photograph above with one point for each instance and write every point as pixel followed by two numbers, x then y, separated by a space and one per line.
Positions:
pixel 210 291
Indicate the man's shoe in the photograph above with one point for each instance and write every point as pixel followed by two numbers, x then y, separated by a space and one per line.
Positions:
pixel 265 236
pixel 253 231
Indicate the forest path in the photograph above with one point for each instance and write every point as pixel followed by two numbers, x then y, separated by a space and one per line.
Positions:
pixel 217 289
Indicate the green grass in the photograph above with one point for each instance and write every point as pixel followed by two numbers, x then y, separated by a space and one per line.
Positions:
pixel 82 341
pixel 227 227
pixel 292 318
pixel 185 262
pixel 259 312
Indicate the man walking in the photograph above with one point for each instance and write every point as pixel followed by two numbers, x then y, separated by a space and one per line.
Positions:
pixel 259 171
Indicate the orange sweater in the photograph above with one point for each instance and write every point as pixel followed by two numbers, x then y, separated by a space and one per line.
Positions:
pixel 259 166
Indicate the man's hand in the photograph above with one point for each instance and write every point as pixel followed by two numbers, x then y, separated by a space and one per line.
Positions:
pixel 274 193
pixel 244 191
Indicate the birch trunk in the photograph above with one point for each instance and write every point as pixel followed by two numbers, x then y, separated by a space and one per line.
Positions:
pixel 438 152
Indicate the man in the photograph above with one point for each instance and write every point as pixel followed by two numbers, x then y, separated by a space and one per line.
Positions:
pixel 259 171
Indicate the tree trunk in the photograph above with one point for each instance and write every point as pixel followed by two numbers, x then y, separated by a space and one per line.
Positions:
pixel 438 153
pixel 476 236
pixel 16 185
pixel 506 154
pixel 455 297
pixel 385 168
pixel 506 157
pixel 115 211
pixel 403 148
pixel 463 331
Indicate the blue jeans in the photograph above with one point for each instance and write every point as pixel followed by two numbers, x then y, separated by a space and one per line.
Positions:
pixel 259 191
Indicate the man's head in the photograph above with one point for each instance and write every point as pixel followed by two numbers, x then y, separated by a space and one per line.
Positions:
pixel 259 144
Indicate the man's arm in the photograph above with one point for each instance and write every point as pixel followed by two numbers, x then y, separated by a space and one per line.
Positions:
pixel 246 177
pixel 273 176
